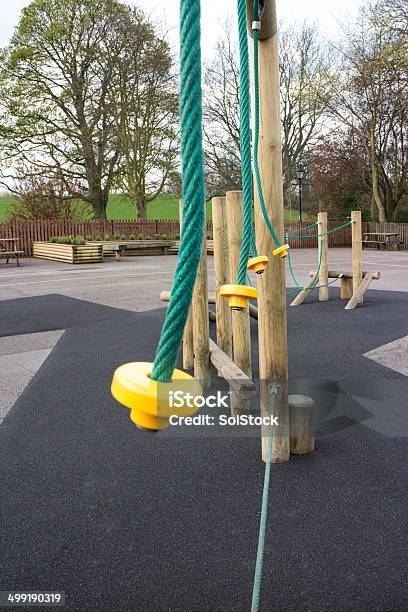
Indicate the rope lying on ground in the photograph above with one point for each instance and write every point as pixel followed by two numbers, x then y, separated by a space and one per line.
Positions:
pixel 256 592
pixel 193 191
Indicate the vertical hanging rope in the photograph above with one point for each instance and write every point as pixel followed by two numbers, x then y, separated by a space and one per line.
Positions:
pixel 193 191
pixel 248 241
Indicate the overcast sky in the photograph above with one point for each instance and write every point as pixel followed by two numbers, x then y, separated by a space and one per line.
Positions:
pixel 326 12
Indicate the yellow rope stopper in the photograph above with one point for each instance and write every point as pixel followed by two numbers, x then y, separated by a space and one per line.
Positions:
pixel 151 402
pixel 258 264
pixel 282 250
pixel 238 295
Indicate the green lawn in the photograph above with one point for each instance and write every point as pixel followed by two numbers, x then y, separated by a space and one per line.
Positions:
pixel 120 207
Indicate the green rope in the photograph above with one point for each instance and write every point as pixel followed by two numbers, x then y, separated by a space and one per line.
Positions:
pixel 193 191
pixel 336 229
pixel 256 139
pixel 248 241
pixel 302 229
pixel 256 592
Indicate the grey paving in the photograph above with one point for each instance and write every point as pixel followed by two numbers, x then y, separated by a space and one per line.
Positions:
pixel 393 355
pixel 21 357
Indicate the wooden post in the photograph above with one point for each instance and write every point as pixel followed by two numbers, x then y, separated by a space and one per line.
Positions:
pixel 222 276
pixel 323 249
pixel 273 348
pixel 201 328
pixel 346 288
pixel 301 417
pixel 240 319
pixel 357 250
pixel 188 353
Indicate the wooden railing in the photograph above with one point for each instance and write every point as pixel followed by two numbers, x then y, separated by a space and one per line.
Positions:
pixel 28 232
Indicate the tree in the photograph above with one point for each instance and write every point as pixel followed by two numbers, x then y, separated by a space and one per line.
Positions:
pixel 221 117
pixel 304 84
pixel 340 174
pixel 145 113
pixel 304 80
pixel 56 91
pixel 369 98
pixel 40 197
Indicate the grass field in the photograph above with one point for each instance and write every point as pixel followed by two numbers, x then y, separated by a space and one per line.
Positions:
pixel 121 208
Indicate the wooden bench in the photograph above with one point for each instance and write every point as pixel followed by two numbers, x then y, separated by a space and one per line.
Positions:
pixel 8 250
pixel 383 240
pixel 11 255
pixel 134 247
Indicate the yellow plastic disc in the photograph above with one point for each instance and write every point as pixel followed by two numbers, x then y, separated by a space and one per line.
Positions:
pixel 258 264
pixel 238 295
pixel 153 403
pixel 282 250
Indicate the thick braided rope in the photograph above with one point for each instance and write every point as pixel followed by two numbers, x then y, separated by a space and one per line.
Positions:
pixel 193 191
pixel 256 139
pixel 248 241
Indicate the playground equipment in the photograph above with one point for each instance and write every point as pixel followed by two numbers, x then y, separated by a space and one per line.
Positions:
pixel 354 284
pixel 145 388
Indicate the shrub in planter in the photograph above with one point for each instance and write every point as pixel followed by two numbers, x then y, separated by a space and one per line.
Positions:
pixel 140 236
pixel 73 240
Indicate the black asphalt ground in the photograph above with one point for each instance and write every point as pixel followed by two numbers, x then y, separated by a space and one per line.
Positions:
pixel 122 520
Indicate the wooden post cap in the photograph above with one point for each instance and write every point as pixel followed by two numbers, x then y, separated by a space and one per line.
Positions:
pixel 301 424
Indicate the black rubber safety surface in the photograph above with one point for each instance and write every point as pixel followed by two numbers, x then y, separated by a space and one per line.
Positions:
pixel 123 520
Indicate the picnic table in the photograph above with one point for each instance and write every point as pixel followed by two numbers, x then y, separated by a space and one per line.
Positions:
pixel 382 240
pixel 9 250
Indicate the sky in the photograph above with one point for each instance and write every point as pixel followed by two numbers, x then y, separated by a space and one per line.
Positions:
pixel 214 12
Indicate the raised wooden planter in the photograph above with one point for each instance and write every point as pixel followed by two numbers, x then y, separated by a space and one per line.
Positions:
pixel 134 247
pixel 69 253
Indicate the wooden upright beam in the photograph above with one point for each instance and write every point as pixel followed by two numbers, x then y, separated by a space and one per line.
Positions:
pixel 201 329
pixel 188 352
pixel 241 332
pixel 222 274
pixel 357 249
pixel 272 326
pixel 323 249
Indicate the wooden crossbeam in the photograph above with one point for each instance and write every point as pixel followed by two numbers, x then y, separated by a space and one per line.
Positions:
pixel 335 274
pixel 238 381
pixel 253 310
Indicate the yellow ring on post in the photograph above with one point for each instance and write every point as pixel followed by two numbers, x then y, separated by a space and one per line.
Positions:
pixel 282 250
pixel 238 295
pixel 258 264
pixel 150 401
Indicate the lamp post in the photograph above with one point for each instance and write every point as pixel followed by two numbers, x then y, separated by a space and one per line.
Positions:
pixel 300 172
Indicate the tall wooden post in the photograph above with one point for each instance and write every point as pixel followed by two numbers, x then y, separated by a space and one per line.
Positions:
pixel 199 310
pixel 222 275
pixel 357 249
pixel 323 253
pixel 241 333
pixel 188 352
pixel 272 326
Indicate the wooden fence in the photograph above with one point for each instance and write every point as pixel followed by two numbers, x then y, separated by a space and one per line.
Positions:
pixel 28 232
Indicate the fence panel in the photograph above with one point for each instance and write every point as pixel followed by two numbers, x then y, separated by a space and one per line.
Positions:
pixel 27 232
